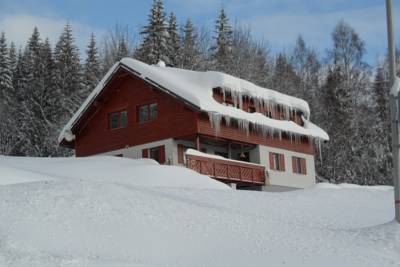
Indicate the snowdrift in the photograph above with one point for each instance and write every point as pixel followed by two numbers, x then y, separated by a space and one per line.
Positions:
pixel 137 172
pixel 117 212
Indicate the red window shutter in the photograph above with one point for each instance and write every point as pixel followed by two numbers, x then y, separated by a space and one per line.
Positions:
pixel 282 160
pixel 271 161
pixel 294 167
pixel 145 153
pixel 303 166
pixel 162 154
pixel 181 149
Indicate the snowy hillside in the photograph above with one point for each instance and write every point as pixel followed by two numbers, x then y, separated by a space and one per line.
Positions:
pixel 119 212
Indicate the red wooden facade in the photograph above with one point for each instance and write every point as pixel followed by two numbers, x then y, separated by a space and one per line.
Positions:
pixel 176 119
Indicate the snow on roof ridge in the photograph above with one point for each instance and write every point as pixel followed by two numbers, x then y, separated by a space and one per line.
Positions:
pixel 197 88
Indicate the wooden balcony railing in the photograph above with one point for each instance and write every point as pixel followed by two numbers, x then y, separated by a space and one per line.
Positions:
pixel 227 170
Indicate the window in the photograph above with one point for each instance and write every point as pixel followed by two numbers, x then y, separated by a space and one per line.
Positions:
pixel 117 120
pixel 147 112
pixel 156 153
pixel 276 161
pixel 299 165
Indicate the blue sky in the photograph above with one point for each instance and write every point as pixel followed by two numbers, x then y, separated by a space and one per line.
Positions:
pixel 278 22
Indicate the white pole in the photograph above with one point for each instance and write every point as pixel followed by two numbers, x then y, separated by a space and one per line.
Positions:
pixel 394 110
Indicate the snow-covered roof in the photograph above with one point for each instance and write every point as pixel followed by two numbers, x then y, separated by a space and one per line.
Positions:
pixel 196 87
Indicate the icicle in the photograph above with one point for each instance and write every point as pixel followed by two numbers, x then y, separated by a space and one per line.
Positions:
pixel 215 121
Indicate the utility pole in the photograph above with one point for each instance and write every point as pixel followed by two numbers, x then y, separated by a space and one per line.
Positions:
pixel 394 110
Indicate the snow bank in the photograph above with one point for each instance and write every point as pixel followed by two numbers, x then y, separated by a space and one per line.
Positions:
pixel 139 172
pixel 196 88
pixel 352 186
pixel 87 220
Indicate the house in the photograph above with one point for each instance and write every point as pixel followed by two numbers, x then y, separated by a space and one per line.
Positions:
pixel 211 122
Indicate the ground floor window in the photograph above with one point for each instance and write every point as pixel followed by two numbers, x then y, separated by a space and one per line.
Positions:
pixel 276 161
pixel 299 165
pixel 156 153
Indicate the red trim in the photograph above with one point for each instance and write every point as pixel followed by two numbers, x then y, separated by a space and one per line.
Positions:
pixel 282 159
pixel 397 202
pixel 145 153
pixel 162 154
pixel 271 161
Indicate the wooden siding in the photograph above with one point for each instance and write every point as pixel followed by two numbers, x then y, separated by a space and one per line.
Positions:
pixel 228 171
pixel 234 133
pixel 93 135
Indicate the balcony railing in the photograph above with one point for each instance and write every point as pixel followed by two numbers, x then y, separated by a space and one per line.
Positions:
pixel 227 170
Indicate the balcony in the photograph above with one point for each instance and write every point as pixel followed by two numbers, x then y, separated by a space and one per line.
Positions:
pixel 226 170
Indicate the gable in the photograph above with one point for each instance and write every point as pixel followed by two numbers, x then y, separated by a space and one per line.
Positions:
pixel 127 93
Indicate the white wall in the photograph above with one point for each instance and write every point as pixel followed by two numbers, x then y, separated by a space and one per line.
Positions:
pixel 135 152
pixel 258 155
pixel 288 178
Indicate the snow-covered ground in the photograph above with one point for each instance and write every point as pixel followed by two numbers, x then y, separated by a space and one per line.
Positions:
pixel 105 211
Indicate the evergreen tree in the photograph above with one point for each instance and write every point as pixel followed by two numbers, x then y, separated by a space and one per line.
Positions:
pixel 380 95
pixel 308 70
pixel 350 155
pixel 284 78
pixel 222 51
pixel 13 56
pixel 155 43
pixel 250 61
pixel 190 53
pixel 6 88
pixel 5 70
pixel 122 49
pixel 92 67
pixel 174 40
pixel 67 70
pixel 117 43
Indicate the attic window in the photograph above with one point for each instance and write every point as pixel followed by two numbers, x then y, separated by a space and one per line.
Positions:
pixel 117 120
pixel 147 112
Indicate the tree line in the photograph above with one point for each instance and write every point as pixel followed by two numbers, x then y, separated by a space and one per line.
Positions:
pixel 41 87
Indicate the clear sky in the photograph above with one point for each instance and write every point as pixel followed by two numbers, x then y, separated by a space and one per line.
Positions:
pixel 277 22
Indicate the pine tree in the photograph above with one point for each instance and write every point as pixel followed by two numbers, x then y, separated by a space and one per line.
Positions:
pixel 222 50
pixel 67 70
pixel 308 69
pixel 284 78
pixel 250 60
pixel 351 152
pixel 174 40
pixel 117 43
pixel 92 67
pixel 382 140
pixel 13 56
pixel 122 49
pixel 190 53
pixel 155 43
pixel 6 88
pixel 5 70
